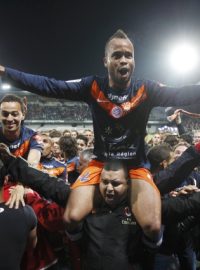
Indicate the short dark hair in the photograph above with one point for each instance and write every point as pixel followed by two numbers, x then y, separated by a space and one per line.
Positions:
pixel 115 165
pixel 171 139
pixel 13 98
pixel 69 146
pixel 158 154
pixel 83 138
pixel 73 130
pixel 90 130
pixel 118 34
pixel 55 133
pixel 66 131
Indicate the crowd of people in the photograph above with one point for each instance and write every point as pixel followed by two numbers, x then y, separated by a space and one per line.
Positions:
pixel 39 111
pixel 192 124
pixel 104 199
pixel 65 155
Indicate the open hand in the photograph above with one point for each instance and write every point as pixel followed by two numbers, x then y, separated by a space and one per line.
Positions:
pixel 5 154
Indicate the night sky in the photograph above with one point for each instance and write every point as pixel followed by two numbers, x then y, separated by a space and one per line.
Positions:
pixel 65 39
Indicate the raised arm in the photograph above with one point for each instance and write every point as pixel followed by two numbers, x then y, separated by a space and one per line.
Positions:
pixel 47 186
pixel 42 85
pixel 179 208
pixel 170 178
pixel 34 157
pixel 166 96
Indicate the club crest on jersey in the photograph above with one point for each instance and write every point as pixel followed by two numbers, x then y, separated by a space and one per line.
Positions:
pixel 84 177
pixel 116 112
pixel 127 211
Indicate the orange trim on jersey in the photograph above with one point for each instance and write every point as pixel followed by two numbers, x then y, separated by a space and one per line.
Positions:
pixel 51 171
pixel 22 150
pixel 142 174
pixel 90 176
pixel 123 108
pixel 71 167
pixel 136 100
pixel 40 166
pixel 56 171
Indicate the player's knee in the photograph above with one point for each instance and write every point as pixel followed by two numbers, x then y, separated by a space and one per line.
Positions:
pixel 151 227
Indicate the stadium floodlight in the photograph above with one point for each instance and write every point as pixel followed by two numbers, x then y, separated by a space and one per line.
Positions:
pixel 184 58
pixel 5 86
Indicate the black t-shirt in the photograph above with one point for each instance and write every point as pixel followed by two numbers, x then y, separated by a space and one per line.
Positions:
pixel 15 226
pixel 110 238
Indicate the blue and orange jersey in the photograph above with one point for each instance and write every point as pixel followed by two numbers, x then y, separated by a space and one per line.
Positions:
pixel 119 116
pixel 28 139
pixel 53 167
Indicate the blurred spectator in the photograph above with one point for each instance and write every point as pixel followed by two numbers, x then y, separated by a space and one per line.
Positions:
pixel 179 149
pixel 171 139
pixel 68 146
pixel 84 158
pixel 156 139
pixel 196 136
pixel 82 142
pixel 89 134
pixel 74 134
pixel 48 163
pixel 66 132
pixel 55 135
pixel 51 111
